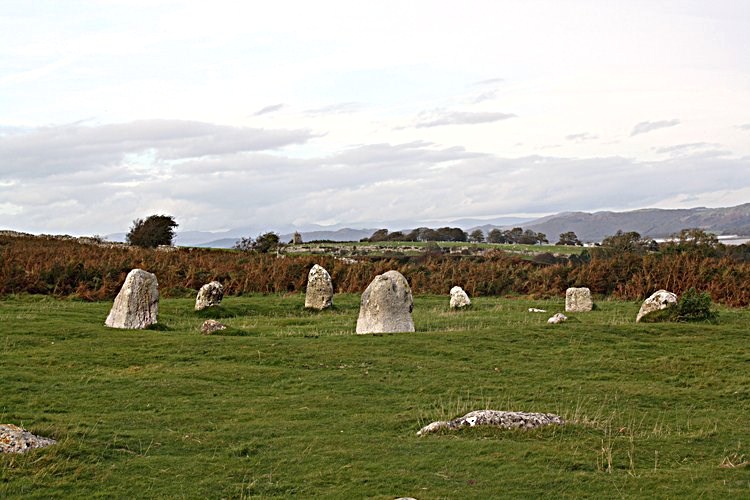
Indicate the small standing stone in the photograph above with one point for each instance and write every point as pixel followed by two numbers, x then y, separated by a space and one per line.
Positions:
pixel 557 318
pixel 386 305
pixel 137 304
pixel 319 292
pixel 210 326
pixel 656 302
pixel 578 300
pixel 210 294
pixel 459 298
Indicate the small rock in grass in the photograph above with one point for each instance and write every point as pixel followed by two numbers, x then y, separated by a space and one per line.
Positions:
pixel 210 326
pixel 502 419
pixel 535 310
pixel 557 318
pixel 14 439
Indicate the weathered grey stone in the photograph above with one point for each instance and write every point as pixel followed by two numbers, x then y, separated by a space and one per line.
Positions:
pixel 502 419
pixel 14 439
pixel 210 294
pixel 578 300
pixel 459 298
pixel 319 293
pixel 656 302
pixel 557 318
pixel 386 305
pixel 137 304
pixel 210 326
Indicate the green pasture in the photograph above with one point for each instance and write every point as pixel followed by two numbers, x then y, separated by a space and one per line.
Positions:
pixel 292 403
pixel 380 248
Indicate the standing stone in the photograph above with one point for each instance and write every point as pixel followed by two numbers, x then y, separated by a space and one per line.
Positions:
pixel 386 305
pixel 319 293
pixel 137 304
pixel 578 300
pixel 656 302
pixel 459 298
pixel 209 295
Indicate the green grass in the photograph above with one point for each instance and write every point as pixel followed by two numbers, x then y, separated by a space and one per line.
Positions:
pixel 379 248
pixel 292 403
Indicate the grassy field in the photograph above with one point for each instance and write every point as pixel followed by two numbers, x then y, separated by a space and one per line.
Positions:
pixel 412 248
pixel 291 402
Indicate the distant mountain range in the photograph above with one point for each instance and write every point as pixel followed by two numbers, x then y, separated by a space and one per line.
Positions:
pixel 650 222
pixel 589 227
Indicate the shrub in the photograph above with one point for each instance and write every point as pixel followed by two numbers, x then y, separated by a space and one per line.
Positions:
pixel 694 306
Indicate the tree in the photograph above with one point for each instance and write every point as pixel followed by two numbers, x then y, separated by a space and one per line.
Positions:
pixel 379 235
pixel 496 236
pixel 155 230
pixel 569 238
pixel 266 242
pixel 477 236
pixel 628 242
pixel 541 238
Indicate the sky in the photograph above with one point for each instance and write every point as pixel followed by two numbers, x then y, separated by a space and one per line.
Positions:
pixel 367 114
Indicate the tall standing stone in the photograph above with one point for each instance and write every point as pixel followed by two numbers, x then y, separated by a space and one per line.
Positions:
pixel 319 292
pixel 137 304
pixel 386 305
pixel 459 298
pixel 210 294
pixel 656 302
pixel 578 300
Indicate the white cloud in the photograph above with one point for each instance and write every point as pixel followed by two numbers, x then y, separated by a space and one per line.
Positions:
pixel 645 127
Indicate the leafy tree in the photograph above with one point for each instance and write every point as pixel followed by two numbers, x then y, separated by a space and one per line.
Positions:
pixel 379 235
pixel 514 235
pixel 155 230
pixel 477 236
pixel 266 242
pixel 693 241
pixel 528 237
pixel 569 238
pixel 541 238
pixel 497 236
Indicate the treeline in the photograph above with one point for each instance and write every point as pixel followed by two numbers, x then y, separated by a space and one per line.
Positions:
pixel 515 235
pixel 96 272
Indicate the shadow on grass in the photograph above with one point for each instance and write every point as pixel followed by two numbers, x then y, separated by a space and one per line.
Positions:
pixel 232 332
pixel 231 311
